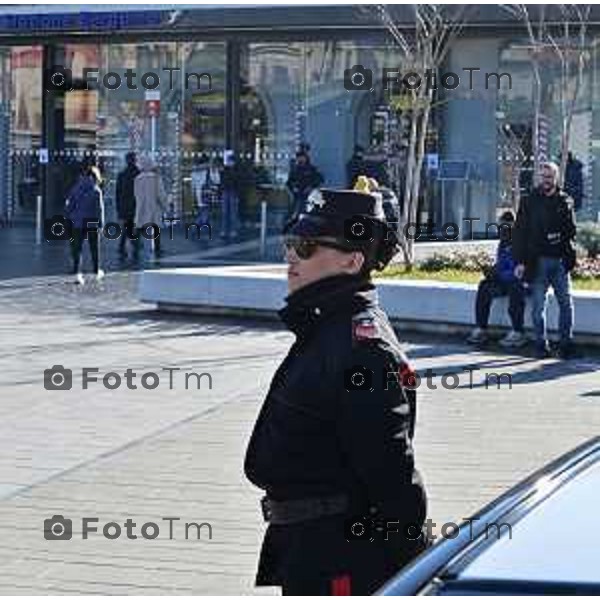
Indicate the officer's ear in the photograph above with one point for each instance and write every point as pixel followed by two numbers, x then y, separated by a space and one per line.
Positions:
pixel 354 261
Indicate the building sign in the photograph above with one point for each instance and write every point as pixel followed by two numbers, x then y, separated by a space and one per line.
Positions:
pixel 80 21
pixel 453 169
pixel 432 161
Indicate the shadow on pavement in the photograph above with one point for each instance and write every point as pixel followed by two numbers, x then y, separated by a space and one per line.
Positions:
pixel 541 372
pixel 186 325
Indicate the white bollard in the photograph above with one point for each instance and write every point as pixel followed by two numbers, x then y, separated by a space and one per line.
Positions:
pixel 263 228
pixel 153 136
pixel 38 221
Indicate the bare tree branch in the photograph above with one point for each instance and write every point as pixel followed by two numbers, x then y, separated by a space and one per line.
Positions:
pixel 435 28
pixel 568 42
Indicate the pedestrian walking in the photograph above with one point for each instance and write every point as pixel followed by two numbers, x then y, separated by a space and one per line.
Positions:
pixel 125 198
pixel 332 446
pixel 85 208
pixel 151 200
pixel 500 281
pixel 544 248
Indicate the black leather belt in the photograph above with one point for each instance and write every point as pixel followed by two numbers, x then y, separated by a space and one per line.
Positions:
pixel 296 511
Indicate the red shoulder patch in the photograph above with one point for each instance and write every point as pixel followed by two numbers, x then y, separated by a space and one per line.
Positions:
pixel 365 330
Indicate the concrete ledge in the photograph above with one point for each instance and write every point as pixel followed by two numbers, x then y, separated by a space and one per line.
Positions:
pixel 427 306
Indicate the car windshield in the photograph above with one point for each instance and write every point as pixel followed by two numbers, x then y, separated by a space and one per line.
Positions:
pixel 555 542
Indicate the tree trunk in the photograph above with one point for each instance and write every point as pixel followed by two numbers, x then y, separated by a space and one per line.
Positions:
pixel 537 105
pixel 408 187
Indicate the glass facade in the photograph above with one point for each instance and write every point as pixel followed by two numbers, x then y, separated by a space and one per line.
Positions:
pixel 262 98
pixel 283 95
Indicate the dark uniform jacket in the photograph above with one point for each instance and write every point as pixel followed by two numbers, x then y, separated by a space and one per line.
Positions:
pixel 315 439
pixel 545 226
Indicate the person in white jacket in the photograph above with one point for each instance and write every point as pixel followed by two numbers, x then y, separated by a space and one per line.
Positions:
pixel 150 203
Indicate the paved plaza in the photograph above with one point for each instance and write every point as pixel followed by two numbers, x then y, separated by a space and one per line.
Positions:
pixel 176 453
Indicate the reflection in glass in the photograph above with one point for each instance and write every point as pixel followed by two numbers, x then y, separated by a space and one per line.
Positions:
pixel 21 130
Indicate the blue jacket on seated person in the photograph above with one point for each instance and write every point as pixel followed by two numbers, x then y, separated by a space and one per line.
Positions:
pixel 501 281
pixel 504 269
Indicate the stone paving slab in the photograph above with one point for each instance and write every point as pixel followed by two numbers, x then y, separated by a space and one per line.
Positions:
pixel 166 453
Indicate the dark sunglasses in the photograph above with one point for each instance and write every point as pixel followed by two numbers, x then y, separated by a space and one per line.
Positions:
pixel 305 248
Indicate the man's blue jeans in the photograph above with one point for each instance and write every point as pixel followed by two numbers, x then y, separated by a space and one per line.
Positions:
pixel 551 272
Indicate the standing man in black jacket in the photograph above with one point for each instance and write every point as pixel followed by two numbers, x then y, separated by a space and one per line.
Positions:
pixel 332 446
pixel 302 179
pixel 544 248
pixel 126 204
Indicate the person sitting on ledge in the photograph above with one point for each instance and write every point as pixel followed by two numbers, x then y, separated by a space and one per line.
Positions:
pixel 500 281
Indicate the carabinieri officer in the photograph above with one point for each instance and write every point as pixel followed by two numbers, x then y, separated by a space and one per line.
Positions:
pixel 332 446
